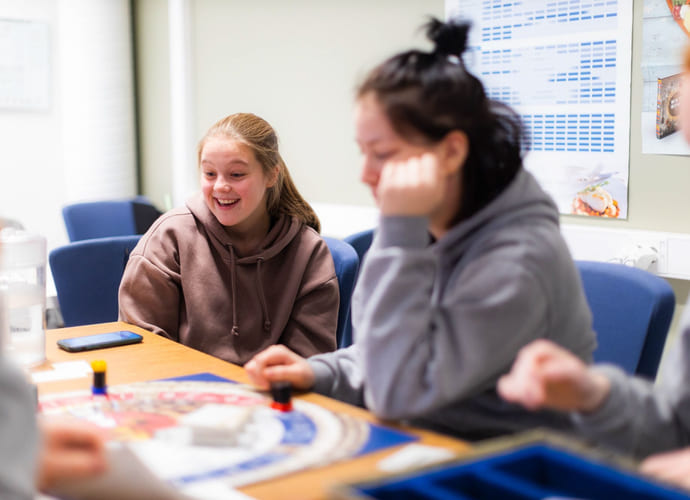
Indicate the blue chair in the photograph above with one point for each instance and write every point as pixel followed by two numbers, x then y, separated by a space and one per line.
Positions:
pixel 346 267
pixel 87 277
pixel 100 219
pixel 632 311
pixel 361 242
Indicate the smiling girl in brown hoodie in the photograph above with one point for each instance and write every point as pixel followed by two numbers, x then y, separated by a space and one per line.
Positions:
pixel 242 266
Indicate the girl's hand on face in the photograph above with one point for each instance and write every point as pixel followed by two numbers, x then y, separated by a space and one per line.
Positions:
pixel 279 364
pixel 411 187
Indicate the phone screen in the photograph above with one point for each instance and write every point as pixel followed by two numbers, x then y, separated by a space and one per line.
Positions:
pixel 99 341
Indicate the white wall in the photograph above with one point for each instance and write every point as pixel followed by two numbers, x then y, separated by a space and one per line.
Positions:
pixel 294 63
pixel 97 99
pixel 153 96
pixel 31 181
pixel 83 145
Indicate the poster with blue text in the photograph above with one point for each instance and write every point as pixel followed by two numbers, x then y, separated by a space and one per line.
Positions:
pixel 564 66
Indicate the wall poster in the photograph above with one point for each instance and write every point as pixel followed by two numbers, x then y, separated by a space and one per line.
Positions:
pixel 24 65
pixel 564 66
pixel 665 27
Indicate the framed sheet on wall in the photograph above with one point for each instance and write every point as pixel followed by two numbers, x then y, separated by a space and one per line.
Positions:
pixel 565 68
pixel 24 65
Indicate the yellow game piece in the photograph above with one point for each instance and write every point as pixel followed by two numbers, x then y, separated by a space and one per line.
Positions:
pixel 98 365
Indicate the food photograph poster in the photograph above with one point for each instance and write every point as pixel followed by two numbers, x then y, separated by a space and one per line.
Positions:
pixel 665 27
pixel 565 68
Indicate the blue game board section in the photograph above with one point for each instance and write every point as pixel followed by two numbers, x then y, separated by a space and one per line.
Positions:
pixel 537 471
pixel 301 430
pixel 199 377
pixel 252 464
pixel 384 437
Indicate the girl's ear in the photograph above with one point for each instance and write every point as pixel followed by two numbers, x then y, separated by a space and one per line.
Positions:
pixel 454 149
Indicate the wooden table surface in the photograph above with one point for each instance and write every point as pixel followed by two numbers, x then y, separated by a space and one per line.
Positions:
pixel 158 358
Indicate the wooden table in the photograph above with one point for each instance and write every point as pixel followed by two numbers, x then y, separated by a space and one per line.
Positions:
pixel 158 358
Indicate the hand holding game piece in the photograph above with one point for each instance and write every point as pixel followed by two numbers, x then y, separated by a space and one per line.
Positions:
pixel 278 363
pixel 282 396
pixel 70 450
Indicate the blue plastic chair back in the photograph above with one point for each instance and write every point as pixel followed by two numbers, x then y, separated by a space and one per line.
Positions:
pixel 632 311
pixel 361 242
pixel 100 219
pixel 87 277
pixel 346 267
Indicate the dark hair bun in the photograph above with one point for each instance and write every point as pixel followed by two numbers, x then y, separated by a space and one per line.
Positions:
pixel 449 38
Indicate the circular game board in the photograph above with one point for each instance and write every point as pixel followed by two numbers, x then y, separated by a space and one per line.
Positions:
pixel 189 431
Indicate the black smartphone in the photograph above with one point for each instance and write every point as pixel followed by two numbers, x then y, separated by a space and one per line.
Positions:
pixel 99 341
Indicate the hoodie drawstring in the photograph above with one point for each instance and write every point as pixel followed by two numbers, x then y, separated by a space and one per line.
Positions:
pixel 262 298
pixel 235 324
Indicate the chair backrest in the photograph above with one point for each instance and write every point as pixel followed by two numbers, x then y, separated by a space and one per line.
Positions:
pixel 346 267
pixel 632 311
pixel 100 219
pixel 361 242
pixel 87 277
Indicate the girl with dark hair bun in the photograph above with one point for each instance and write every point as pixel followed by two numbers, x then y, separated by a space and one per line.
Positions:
pixel 427 95
pixel 467 264
pixel 242 265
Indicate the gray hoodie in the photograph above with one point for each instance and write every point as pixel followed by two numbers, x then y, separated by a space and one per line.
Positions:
pixel 638 418
pixel 437 323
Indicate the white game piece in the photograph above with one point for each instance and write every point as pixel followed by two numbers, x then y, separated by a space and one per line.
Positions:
pixel 216 424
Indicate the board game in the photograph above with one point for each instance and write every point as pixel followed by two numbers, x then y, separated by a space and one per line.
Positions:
pixel 204 428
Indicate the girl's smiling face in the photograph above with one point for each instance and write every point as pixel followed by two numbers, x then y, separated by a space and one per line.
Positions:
pixel 234 185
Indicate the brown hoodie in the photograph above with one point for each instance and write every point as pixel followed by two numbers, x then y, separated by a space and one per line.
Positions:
pixel 185 282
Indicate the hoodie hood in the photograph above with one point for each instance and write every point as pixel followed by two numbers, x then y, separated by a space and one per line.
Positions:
pixel 282 232
pixel 522 199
